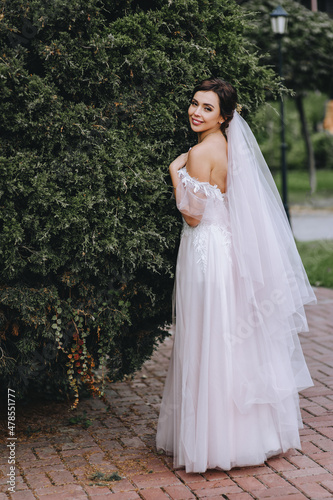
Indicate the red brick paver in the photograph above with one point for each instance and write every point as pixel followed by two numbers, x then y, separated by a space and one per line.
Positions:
pixel 56 459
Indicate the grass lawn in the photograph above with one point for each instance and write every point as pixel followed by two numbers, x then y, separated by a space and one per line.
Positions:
pixel 317 257
pixel 299 189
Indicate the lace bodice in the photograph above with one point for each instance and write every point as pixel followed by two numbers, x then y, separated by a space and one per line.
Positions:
pixel 205 202
pixel 205 187
pixel 201 200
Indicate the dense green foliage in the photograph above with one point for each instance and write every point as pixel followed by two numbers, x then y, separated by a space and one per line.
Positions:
pixel 323 148
pixel 93 100
pixel 307 50
pixel 307 46
pixel 268 132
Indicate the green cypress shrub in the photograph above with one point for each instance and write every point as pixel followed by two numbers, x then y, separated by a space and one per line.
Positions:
pixel 93 100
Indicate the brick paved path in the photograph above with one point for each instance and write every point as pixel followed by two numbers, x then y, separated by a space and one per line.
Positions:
pixel 57 460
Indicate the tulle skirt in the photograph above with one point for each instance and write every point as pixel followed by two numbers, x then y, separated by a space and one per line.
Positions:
pixel 230 399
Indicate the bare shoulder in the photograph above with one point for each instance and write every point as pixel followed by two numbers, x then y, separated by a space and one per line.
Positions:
pixel 207 161
pixel 198 163
pixel 218 175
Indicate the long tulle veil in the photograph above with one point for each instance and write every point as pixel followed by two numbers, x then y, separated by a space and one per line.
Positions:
pixel 271 284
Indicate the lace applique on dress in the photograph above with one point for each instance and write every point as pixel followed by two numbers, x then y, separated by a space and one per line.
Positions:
pixel 204 187
pixel 215 226
pixel 200 235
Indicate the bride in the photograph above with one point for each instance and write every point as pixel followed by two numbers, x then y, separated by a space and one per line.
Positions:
pixel 231 393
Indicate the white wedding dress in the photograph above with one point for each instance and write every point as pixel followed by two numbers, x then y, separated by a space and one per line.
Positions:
pixel 231 393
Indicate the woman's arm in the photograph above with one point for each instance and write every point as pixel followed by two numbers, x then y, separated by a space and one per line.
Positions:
pixel 176 165
pixel 193 160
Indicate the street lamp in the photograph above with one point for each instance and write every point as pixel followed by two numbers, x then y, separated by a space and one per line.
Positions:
pixel 279 20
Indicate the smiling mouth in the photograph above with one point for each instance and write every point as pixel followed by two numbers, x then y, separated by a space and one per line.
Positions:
pixel 196 122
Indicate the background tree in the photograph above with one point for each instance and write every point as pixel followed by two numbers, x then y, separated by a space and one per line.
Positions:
pixel 94 97
pixel 307 54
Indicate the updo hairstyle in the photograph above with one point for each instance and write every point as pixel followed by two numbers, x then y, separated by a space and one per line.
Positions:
pixel 227 96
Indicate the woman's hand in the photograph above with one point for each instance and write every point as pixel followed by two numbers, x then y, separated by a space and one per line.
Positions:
pixel 178 163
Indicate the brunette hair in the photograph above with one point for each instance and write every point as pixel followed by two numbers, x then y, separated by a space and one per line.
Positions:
pixel 227 96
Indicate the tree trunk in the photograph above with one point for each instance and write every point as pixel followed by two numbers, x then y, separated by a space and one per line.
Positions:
pixel 308 143
pixel 314 5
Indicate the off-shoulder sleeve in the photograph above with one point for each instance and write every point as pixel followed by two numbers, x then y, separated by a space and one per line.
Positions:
pixel 191 196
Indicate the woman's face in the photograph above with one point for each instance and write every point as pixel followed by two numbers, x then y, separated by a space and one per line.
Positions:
pixel 204 111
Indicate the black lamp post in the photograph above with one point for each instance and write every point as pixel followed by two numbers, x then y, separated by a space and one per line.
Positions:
pixel 279 19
